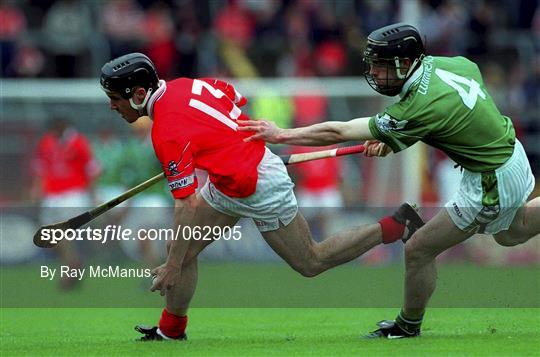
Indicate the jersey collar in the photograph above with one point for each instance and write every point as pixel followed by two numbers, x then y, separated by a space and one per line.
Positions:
pixel 162 87
pixel 413 78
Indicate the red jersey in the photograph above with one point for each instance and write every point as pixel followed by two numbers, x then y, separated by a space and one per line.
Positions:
pixel 195 127
pixel 64 163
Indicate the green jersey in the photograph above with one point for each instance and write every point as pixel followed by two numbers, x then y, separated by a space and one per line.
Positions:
pixel 128 163
pixel 445 104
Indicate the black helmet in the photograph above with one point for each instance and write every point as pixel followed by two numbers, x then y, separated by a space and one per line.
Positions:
pixel 124 73
pixel 387 47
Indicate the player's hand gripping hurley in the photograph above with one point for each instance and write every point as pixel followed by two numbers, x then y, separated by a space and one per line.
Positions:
pixel 82 219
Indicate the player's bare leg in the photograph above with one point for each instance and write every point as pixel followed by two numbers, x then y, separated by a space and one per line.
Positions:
pixel 179 297
pixel 146 250
pixel 173 320
pixel 425 245
pixel 439 234
pixel 525 226
pixel 294 244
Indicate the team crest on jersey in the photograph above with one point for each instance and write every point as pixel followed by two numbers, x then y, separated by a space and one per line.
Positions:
pixel 173 168
pixel 386 123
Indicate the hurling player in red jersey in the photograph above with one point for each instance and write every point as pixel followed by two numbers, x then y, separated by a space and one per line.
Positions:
pixel 63 173
pixel 195 126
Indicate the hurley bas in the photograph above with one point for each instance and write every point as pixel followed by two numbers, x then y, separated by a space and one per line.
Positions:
pixel 94 271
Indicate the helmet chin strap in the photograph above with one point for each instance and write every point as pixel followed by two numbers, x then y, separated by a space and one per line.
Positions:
pixel 411 67
pixel 140 107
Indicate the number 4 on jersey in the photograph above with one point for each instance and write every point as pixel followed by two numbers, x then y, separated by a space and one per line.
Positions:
pixel 453 80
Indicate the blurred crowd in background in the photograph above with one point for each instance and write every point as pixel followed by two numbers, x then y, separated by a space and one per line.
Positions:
pixel 61 38
pixel 271 38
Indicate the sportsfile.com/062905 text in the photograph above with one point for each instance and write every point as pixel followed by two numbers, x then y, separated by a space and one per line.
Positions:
pixel 118 233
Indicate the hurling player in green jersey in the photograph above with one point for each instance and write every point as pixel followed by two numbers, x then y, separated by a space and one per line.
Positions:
pixel 444 103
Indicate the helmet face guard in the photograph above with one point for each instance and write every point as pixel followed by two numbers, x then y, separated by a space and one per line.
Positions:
pixel 396 74
pixel 391 55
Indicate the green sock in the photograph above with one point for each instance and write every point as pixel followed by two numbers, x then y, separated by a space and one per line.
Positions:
pixel 408 324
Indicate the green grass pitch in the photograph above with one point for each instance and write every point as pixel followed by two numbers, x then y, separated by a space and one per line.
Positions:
pixel 231 316
pixel 270 331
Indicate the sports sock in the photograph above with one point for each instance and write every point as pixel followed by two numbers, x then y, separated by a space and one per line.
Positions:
pixel 172 325
pixel 408 324
pixel 392 230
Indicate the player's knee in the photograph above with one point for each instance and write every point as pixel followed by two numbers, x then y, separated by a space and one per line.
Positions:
pixel 415 250
pixel 308 270
pixel 410 252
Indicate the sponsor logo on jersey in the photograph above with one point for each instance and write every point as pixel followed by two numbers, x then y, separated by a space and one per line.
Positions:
pixel 386 123
pixel 173 168
pixel 178 167
pixel 182 182
pixel 426 76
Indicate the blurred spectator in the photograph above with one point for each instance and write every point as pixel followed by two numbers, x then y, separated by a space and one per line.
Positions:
pixel 121 22
pixel 520 13
pixel 325 25
pixel 296 60
pixel 516 99
pixel 149 209
pixel 317 188
pixel 235 24
pixel 126 163
pixel 64 170
pixel 108 149
pixel 67 31
pixel 480 28
pixel 330 58
pixel 30 61
pixel 377 13
pixel 159 38
pixel 317 182
pixel 189 32
pixel 309 108
pixel 35 11
pixel 12 28
pixel 440 19
pixel 269 37
pixel 495 81
pixel 235 29
pixel 531 90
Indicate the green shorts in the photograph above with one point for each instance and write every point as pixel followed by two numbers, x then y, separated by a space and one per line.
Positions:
pixel 487 202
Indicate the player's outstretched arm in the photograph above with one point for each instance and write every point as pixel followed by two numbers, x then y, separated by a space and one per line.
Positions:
pixel 168 274
pixel 326 133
